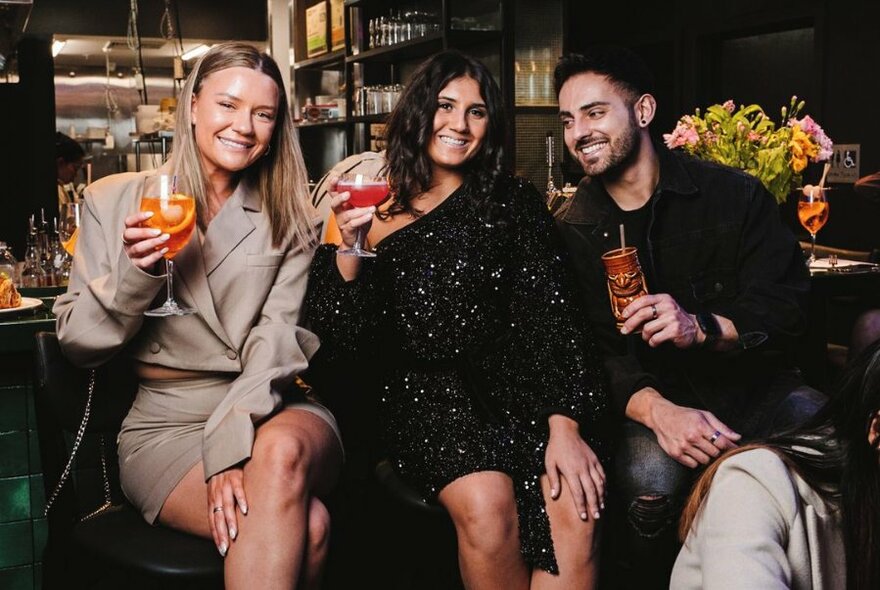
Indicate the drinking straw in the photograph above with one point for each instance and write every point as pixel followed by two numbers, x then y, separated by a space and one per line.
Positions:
pixel 622 238
pixel 824 174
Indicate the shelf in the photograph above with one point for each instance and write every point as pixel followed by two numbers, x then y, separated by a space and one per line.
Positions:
pixel 412 49
pixel 378 118
pixel 327 123
pixel 348 3
pixel 321 61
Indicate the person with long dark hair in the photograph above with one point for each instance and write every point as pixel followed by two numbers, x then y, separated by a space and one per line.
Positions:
pixel 219 442
pixel 485 381
pixel 801 510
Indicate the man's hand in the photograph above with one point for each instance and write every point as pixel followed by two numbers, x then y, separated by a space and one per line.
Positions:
pixel 691 437
pixel 661 319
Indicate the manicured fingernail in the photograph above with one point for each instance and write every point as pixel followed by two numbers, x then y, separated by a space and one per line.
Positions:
pixel 583 516
pixel 624 330
pixel 602 505
pixel 243 508
pixel 165 237
pixel 553 492
pixel 156 232
pixel 223 548
pixel 232 533
pixel 163 250
pixel 148 214
pixel 596 515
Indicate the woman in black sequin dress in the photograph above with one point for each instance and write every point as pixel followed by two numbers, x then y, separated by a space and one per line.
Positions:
pixel 485 380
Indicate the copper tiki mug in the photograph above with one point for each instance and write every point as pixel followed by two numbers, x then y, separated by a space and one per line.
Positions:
pixel 625 280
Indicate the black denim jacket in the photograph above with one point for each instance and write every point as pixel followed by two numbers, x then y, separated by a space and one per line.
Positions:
pixel 715 243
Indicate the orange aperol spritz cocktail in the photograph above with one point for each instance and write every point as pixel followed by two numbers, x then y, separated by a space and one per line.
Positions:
pixel 813 213
pixel 174 213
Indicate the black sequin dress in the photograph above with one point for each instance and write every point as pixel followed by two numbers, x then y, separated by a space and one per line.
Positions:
pixel 475 342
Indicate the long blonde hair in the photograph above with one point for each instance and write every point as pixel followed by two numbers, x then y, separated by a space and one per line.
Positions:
pixel 279 176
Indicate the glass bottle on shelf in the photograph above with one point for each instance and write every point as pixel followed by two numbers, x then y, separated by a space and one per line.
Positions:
pixel 8 264
pixel 33 275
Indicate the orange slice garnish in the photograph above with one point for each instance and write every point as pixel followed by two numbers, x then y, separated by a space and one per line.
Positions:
pixel 173 214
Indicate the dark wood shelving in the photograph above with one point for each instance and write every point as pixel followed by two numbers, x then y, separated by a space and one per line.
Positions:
pixel 322 61
pixel 327 123
pixel 412 49
pixel 377 118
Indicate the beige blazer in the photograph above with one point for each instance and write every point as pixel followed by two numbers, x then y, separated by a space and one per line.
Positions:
pixel 762 527
pixel 247 293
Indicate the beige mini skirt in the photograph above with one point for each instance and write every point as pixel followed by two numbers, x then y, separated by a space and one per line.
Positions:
pixel 161 437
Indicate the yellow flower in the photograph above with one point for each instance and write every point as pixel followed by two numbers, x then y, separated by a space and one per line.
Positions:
pixel 802 149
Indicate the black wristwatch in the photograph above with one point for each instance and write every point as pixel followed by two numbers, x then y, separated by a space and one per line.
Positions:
pixel 709 325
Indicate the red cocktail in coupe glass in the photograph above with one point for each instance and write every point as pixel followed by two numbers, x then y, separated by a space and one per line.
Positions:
pixel 365 191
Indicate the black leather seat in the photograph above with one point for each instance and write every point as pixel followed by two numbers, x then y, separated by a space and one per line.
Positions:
pixel 115 547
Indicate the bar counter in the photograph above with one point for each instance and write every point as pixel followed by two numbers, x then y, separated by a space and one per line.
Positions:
pixel 22 526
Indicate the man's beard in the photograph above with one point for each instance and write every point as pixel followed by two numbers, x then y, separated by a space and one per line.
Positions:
pixel 621 151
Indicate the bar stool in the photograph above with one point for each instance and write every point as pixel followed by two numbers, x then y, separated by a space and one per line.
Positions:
pixel 112 546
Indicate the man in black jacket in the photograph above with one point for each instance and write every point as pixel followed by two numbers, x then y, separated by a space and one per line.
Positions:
pixel 705 359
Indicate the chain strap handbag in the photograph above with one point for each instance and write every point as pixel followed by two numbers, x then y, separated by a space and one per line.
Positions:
pixel 77 442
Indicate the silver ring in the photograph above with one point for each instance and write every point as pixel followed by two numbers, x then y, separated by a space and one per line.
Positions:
pixel 218 509
pixel 714 437
pixel 654 312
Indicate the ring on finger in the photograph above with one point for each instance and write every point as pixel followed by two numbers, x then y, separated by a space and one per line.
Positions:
pixel 218 509
pixel 715 436
pixel 653 312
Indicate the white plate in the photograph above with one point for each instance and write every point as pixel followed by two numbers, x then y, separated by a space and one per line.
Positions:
pixel 26 303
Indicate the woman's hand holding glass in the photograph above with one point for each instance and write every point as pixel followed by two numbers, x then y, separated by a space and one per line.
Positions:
pixel 365 192
pixel 143 245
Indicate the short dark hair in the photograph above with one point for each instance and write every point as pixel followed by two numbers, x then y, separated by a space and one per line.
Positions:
pixel 68 149
pixel 623 67
pixel 411 126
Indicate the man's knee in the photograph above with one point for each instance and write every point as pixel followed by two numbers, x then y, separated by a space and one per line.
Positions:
pixel 652 515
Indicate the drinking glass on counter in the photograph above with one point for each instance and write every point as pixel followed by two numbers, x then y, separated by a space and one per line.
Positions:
pixel 174 213
pixel 813 213
pixel 68 225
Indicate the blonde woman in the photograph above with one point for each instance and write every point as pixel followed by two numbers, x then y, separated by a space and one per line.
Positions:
pixel 218 443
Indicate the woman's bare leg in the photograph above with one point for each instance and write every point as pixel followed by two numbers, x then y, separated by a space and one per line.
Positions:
pixel 483 509
pixel 575 542
pixel 318 544
pixel 296 454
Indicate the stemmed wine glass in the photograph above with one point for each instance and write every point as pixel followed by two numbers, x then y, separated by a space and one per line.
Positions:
pixel 174 213
pixel 365 190
pixel 68 225
pixel 813 213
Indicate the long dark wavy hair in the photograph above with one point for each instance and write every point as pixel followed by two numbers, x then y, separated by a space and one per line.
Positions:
pixel 832 454
pixel 411 126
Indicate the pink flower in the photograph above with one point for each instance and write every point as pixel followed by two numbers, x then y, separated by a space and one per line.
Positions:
pixel 683 134
pixel 817 134
pixel 729 105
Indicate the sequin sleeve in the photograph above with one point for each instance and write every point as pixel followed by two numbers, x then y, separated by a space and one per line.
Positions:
pixel 547 327
pixel 340 312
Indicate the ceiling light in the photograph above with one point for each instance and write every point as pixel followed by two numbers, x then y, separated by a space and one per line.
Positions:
pixel 197 51
pixel 57 46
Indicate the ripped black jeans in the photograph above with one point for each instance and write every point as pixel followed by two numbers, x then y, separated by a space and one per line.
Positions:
pixel 650 489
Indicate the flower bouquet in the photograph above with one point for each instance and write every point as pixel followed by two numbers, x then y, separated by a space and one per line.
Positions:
pixel 746 138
